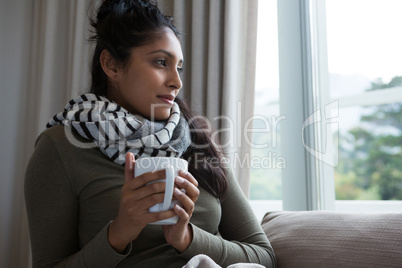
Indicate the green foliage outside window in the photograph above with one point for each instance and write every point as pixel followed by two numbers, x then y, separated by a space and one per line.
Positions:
pixel 370 155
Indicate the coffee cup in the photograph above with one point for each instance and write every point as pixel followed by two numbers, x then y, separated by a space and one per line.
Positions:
pixel 172 166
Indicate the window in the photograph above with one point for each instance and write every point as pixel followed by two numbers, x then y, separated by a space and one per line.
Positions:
pixel 338 104
pixel 366 77
pixel 265 181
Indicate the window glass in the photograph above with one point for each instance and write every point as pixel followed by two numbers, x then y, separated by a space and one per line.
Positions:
pixel 364 43
pixel 266 162
pixel 364 57
pixel 370 166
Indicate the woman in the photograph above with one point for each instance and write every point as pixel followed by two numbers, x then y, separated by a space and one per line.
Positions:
pixel 85 209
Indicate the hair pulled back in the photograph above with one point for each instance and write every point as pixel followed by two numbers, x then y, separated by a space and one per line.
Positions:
pixel 121 25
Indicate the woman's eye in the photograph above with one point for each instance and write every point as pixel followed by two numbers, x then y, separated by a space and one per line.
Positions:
pixel 161 62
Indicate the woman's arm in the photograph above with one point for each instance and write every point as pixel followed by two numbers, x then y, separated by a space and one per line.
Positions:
pixel 242 238
pixel 52 206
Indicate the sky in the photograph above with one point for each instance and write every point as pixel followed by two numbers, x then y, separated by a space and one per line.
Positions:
pixel 363 37
pixel 267 74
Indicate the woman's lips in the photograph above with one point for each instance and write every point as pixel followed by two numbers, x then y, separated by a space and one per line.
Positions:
pixel 167 99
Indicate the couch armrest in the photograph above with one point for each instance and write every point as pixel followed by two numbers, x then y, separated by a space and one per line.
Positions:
pixel 335 239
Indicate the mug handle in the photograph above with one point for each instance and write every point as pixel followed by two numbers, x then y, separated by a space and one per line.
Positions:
pixel 169 188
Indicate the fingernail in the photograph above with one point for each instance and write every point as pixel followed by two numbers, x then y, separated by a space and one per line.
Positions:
pixel 177 191
pixel 179 180
pixel 178 207
pixel 131 161
pixel 182 172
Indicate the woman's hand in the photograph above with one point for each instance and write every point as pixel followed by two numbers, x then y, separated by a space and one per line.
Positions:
pixel 136 198
pixel 180 235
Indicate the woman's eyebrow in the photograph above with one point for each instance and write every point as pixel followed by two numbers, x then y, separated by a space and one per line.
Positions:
pixel 170 55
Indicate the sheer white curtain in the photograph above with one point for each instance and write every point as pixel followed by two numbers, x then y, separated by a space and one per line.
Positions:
pixel 219 42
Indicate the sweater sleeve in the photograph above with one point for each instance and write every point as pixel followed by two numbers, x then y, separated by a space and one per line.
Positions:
pixel 242 239
pixel 52 208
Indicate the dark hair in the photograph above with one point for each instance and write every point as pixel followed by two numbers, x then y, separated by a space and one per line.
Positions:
pixel 121 25
pixel 204 158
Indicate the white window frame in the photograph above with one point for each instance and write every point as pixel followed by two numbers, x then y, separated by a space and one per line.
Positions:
pixel 303 73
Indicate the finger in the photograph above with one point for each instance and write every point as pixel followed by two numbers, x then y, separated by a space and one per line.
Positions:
pixel 129 167
pixel 146 178
pixel 190 189
pixel 158 216
pixel 150 189
pixel 188 176
pixel 185 200
pixel 133 203
pixel 152 200
pixel 184 217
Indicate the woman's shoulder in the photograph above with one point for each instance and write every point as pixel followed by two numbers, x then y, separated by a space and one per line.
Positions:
pixel 62 136
pixel 60 142
pixel 50 137
pixel 55 133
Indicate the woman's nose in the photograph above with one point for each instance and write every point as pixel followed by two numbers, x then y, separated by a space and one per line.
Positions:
pixel 175 80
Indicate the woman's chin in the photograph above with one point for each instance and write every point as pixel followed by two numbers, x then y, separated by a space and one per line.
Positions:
pixel 159 115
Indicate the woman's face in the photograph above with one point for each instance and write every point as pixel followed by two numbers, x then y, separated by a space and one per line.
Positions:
pixel 151 80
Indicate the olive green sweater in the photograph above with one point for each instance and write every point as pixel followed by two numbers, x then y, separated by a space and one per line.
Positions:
pixel 73 193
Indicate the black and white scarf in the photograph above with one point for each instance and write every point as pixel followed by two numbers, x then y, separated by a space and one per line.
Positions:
pixel 116 131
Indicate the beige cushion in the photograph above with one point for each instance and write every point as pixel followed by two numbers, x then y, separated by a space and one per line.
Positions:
pixel 333 239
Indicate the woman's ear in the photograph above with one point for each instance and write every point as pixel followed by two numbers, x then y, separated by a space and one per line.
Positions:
pixel 109 65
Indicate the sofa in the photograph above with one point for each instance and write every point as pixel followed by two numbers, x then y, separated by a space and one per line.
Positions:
pixel 334 239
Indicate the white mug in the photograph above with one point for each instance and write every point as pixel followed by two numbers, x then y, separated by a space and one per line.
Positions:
pixel 171 166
